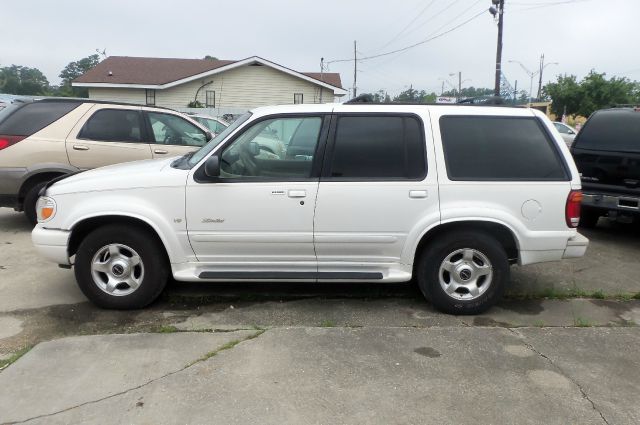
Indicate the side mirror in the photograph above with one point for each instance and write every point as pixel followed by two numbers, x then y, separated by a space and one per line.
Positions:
pixel 208 135
pixel 212 166
pixel 571 132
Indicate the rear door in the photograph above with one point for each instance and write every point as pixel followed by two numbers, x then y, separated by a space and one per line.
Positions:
pixel 108 134
pixel 172 135
pixel 378 185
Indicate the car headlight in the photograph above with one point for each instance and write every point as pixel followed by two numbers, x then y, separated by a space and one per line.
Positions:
pixel 45 208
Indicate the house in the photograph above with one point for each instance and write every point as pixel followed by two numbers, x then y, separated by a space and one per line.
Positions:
pixel 219 84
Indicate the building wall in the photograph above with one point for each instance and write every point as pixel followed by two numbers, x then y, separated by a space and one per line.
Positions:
pixel 246 87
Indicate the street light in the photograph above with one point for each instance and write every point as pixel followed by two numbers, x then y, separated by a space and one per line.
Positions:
pixel 532 75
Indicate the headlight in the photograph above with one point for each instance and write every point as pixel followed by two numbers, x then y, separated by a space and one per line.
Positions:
pixel 45 208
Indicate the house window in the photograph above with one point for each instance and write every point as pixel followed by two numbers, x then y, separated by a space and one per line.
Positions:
pixel 151 97
pixel 297 98
pixel 210 100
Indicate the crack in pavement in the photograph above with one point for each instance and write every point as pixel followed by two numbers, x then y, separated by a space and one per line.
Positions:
pixel 559 369
pixel 128 390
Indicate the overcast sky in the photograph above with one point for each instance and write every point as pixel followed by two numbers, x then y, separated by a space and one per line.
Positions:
pixel 579 34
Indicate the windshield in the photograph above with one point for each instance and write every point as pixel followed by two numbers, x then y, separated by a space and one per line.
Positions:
pixel 204 151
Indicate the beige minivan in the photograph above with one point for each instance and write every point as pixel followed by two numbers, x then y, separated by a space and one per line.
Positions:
pixel 44 139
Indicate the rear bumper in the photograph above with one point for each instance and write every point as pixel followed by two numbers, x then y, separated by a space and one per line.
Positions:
pixel 576 247
pixel 10 182
pixel 51 244
pixel 611 202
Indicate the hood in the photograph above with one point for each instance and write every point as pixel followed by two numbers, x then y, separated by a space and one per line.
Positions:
pixel 128 175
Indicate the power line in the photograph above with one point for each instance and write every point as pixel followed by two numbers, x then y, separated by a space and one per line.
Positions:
pixel 408 25
pixel 415 44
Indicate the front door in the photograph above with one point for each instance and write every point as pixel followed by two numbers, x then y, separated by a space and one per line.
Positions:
pixel 256 220
pixel 110 135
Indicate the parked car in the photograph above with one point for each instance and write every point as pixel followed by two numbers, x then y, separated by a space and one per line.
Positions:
pixel 44 139
pixel 607 153
pixel 215 125
pixel 452 195
pixel 567 132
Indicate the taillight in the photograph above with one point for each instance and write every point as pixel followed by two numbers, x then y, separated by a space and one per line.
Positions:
pixel 6 141
pixel 572 210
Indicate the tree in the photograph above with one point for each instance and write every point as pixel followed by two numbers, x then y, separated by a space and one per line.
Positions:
pixel 592 93
pixel 72 71
pixel 23 80
pixel 210 58
pixel 415 96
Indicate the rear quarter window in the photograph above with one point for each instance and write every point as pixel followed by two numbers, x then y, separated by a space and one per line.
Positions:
pixel 612 130
pixel 35 116
pixel 499 149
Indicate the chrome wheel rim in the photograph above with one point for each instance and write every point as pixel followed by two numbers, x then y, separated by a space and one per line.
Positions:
pixel 465 274
pixel 117 269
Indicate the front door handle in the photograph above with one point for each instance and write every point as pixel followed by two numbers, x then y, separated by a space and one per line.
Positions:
pixel 297 193
pixel 418 194
pixel 160 151
pixel 80 148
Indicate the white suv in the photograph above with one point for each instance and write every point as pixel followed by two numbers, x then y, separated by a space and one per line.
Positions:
pixel 450 195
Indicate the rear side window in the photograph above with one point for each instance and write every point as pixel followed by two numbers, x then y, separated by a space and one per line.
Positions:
pixel 378 147
pixel 499 148
pixel 35 116
pixel 113 125
pixel 616 130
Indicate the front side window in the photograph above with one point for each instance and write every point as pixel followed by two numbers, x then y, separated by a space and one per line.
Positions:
pixel 378 148
pixel 170 129
pixel 113 125
pixel 274 148
pixel 499 148
pixel 151 97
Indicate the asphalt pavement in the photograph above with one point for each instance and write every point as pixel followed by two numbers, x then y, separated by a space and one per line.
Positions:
pixel 316 354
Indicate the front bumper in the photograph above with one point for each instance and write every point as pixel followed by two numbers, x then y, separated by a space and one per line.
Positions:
pixel 51 243
pixel 576 247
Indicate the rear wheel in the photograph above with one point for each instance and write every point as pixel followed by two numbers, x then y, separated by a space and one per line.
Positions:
pixel 30 200
pixel 463 272
pixel 121 267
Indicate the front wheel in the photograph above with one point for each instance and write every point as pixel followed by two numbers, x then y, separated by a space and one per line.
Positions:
pixel 121 267
pixel 463 272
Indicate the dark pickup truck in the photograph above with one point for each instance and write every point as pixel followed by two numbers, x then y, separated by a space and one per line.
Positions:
pixel 607 153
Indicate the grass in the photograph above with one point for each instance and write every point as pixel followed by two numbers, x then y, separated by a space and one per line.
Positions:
pixel 328 324
pixel 229 345
pixel 14 357
pixel 581 322
pixel 538 324
pixel 564 294
pixel 166 329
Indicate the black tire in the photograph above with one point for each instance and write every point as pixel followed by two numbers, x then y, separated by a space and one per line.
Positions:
pixel 432 258
pixel 589 218
pixel 30 200
pixel 153 259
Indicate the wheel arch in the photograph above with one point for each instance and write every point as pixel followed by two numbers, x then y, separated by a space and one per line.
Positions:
pixel 83 227
pixel 500 231
pixel 36 178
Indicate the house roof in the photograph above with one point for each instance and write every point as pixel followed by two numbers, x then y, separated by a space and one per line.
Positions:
pixel 123 71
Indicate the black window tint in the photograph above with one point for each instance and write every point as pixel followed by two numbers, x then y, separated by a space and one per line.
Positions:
pixel 113 125
pixel 617 130
pixel 35 116
pixel 378 147
pixel 499 148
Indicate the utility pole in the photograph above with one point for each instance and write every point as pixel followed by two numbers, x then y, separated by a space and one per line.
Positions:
pixel 540 80
pixel 500 13
pixel 459 85
pixel 321 77
pixel 355 69
pixel 515 92
pixel 442 91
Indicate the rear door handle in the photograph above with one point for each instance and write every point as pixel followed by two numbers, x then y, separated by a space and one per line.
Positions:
pixel 418 194
pixel 297 193
pixel 160 151
pixel 80 148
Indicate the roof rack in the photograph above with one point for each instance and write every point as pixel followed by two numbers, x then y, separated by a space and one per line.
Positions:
pixel 471 101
